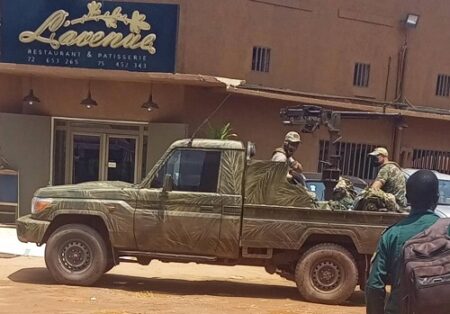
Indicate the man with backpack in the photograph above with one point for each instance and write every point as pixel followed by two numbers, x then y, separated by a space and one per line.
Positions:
pixel 388 265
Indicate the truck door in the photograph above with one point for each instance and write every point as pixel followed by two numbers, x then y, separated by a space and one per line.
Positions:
pixel 187 219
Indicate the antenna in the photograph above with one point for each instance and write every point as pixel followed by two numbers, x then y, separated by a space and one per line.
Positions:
pixel 208 117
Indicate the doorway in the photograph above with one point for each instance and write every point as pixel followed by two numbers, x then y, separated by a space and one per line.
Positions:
pixel 103 157
pixel 86 151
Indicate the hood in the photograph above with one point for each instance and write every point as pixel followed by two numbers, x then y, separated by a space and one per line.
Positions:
pixel 100 190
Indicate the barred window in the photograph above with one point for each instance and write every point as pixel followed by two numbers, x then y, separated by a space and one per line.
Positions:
pixel 443 85
pixel 354 159
pixel 261 59
pixel 361 75
pixel 431 159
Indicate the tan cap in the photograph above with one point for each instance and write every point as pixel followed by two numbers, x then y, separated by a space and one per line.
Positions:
pixel 380 151
pixel 292 137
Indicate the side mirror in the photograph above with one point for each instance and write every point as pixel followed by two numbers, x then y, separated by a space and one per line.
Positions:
pixel 168 183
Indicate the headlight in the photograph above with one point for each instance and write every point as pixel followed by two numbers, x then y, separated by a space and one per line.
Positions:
pixel 40 204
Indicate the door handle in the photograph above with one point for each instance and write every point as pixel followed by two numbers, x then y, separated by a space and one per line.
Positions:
pixel 206 209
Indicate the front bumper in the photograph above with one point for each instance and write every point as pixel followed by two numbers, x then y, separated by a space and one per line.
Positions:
pixel 31 230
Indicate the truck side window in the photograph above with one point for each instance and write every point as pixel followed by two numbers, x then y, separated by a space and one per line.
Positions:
pixel 191 170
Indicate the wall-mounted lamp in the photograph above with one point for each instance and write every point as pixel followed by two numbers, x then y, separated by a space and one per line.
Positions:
pixel 412 20
pixel 88 102
pixel 31 99
pixel 150 105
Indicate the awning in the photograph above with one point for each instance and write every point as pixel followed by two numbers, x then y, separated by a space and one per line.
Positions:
pixel 232 86
pixel 117 75
pixel 289 96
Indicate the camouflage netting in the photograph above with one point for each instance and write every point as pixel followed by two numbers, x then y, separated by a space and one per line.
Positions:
pixel 266 183
pixel 376 200
pixel 344 195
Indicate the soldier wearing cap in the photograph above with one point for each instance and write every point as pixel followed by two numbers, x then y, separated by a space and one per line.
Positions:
pixel 292 141
pixel 390 178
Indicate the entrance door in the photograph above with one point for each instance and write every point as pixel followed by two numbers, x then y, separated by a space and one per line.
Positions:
pixel 86 158
pixel 102 157
pixel 121 159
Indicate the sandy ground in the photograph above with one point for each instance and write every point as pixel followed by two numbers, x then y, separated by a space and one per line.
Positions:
pixel 27 287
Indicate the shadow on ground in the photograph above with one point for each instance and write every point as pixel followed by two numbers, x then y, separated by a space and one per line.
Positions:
pixel 40 276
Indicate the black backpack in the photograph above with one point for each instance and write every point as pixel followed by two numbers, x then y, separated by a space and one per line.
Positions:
pixel 425 277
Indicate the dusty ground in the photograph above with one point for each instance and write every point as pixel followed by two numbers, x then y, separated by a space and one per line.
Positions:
pixel 26 287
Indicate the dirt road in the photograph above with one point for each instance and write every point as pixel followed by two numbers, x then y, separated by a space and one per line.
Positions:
pixel 27 287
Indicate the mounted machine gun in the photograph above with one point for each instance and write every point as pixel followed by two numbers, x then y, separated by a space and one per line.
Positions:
pixel 309 119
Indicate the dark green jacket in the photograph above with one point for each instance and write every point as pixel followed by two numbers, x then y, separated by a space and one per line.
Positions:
pixel 387 262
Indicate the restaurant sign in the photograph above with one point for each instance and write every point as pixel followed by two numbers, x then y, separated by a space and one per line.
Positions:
pixel 89 34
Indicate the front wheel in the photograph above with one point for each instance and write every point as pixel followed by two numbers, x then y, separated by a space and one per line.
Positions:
pixel 326 273
pixel 76 255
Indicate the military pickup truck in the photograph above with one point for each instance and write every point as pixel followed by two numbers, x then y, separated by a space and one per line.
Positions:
pixel 205 201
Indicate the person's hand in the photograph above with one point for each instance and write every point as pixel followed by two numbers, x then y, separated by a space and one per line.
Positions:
pixel 296 166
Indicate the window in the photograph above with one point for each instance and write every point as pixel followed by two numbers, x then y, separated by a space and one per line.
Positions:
pixel 261 59
pixel 354 159
pixel 443 85
pixel 191 170
pixel 433 160
pixel 361 75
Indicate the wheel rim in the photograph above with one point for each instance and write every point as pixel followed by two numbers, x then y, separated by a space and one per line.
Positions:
pixel 327 275
pixel 75 256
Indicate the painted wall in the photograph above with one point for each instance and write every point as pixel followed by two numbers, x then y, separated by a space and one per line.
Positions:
pixel 259 121
pixel 10 93
pixel 25 143
pixel 315 44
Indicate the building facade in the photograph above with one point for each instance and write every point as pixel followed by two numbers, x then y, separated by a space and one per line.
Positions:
pixel 252 57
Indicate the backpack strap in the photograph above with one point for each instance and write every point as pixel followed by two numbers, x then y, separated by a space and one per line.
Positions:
pixel 441 226
pixel 279 150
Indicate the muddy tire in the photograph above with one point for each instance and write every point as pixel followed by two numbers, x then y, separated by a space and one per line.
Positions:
pixel 326 273
pixel 76 255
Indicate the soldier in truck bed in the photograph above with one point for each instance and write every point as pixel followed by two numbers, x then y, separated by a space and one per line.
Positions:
pixel 390 178
pixel 291 143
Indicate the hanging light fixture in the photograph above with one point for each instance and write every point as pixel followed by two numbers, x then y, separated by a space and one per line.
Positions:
pixel 88 102
pixel 31 99
pixel 150 105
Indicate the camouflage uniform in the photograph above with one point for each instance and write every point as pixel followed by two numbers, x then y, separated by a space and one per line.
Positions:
pixel 344 195
pixel 376 200
pixel 279 155
pixel 394 183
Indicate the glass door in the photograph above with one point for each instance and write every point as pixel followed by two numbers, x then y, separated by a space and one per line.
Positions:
pixel 86 158
pixel 121 157
pixel 103 157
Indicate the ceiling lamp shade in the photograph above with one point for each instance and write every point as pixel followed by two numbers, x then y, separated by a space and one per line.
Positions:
pixel 89 102
pixel 31 99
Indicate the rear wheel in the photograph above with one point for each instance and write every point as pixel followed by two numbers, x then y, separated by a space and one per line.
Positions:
pixel 326 273
pixel 76 255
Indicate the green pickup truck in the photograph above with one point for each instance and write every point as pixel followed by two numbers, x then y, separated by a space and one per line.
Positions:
pixel 205 201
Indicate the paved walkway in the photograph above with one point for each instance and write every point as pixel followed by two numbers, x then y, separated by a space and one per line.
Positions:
pixel 9 244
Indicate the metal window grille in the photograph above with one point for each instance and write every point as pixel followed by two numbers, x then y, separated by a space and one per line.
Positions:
pixel 361 75
pixel 433 160
pixel 354 159
pixel 261 59
pixel 443 85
